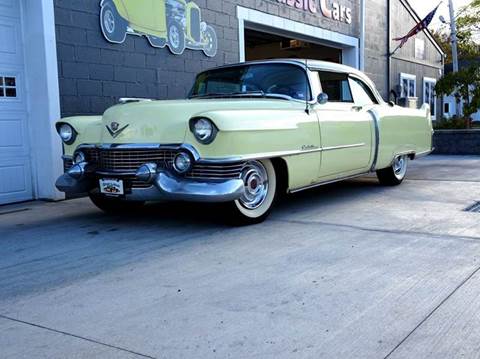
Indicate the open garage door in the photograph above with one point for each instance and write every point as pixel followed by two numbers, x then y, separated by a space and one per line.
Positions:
pixel 15 164
pixel 264 45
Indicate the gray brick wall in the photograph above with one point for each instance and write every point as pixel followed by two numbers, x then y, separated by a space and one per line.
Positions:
pixel 94 73
pixel 457 142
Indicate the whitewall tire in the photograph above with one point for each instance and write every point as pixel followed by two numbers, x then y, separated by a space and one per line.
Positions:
pixel 260 183
pixel 395 174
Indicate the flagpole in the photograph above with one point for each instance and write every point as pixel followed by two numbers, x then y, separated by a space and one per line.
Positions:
pixel 395 50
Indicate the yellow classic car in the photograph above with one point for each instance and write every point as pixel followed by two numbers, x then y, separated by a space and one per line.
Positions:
pixel 174 23
pixel 246 134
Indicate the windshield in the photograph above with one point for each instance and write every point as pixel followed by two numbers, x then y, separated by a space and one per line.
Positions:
pixel 262 80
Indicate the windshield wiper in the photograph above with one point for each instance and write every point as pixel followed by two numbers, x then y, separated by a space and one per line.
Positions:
pixel 258 93
pixel 231 94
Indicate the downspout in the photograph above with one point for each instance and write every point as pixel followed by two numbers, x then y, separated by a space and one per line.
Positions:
pixel 389 50
pixel 361 59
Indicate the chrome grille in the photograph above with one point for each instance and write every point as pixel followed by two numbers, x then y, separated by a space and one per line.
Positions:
pixel 115 160
pixel 216 171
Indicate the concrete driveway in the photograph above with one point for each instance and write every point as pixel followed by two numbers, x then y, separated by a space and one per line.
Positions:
pixel 351 270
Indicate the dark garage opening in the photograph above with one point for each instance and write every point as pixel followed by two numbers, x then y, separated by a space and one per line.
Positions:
pixel 263 45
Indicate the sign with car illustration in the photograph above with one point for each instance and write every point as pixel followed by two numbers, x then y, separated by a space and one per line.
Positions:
pixel 173 23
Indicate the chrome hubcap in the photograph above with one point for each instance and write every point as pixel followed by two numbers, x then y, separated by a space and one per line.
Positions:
pixel 109 21
pixel 255 180
pixel 400 166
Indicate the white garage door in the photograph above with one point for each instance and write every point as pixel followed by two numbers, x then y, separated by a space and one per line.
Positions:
pixel 15 164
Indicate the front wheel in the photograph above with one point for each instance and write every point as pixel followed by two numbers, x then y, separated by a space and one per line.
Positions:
pixel 260 184
pixel 394 175
pixel 112 205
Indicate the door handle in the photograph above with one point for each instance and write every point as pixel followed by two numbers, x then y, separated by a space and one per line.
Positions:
pixel 357 108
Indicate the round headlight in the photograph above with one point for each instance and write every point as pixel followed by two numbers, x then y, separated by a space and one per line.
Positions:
pixel 67 133
pixel 182 162
pixel 203 129
pixel 79 157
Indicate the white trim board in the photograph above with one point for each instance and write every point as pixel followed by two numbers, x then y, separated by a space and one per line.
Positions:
pixel 43 96
pixel 349 44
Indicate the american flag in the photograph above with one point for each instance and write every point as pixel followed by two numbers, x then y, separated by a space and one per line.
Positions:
pixel 417 28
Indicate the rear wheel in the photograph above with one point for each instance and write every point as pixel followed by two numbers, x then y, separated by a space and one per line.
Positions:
pixel 114 205
pixel 114 27
pixel 394 174
pixel 260 184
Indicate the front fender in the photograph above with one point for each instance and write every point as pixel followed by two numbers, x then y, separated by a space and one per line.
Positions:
pixel 88 128
pixel 252 132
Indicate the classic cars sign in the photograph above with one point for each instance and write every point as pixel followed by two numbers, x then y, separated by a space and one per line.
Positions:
pixel 173 23
pixel 335 11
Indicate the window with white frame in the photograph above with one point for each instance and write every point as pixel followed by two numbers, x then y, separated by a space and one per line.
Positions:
pixel 408 84
pixel 429 94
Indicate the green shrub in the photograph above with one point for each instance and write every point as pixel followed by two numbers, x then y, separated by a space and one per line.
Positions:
pixel 454 123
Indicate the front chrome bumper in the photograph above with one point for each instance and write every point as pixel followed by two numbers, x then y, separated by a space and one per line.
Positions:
pixel 164 186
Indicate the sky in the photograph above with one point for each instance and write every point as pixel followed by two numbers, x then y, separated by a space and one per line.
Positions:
pixel 423 7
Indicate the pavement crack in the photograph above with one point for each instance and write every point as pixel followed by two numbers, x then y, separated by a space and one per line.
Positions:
pixel 77 336
pixel 380 230
pixel 465 280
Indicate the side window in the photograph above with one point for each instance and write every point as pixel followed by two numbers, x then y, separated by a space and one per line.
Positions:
pixel 336 86
pixel 362 93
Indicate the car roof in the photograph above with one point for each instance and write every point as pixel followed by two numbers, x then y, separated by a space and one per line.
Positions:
pixel 316 64
pixel 310 63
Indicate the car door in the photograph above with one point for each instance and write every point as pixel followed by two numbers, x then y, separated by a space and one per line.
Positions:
pixel 140 13
pixel 346 128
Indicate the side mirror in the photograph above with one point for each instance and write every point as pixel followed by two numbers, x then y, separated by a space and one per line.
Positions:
pixel 322 98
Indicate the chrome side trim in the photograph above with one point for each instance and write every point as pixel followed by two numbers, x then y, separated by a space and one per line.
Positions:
pixel 342 147
pixel 124 100
pixel 376 122
pixel 259 156
pixel 423 154
pixel 263 155
pixel 326 182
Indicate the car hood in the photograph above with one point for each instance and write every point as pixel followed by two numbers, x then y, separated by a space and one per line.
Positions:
pixel 167 121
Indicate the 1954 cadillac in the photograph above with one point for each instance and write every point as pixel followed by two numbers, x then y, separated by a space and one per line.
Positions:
pixel 247 133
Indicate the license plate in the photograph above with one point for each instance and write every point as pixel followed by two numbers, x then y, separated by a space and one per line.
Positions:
pixel 111 186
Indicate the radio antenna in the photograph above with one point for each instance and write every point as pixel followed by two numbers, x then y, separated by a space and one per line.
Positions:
pixel 307 110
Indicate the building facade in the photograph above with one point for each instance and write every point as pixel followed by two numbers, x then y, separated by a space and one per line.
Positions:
pixel 78 57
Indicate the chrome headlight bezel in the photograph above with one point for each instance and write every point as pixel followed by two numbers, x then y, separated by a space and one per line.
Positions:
pixel 187 158
pixel 79 157
pixel 203 129
pixel 66 132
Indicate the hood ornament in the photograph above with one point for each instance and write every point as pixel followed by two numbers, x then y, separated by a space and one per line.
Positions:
pixel 114 129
